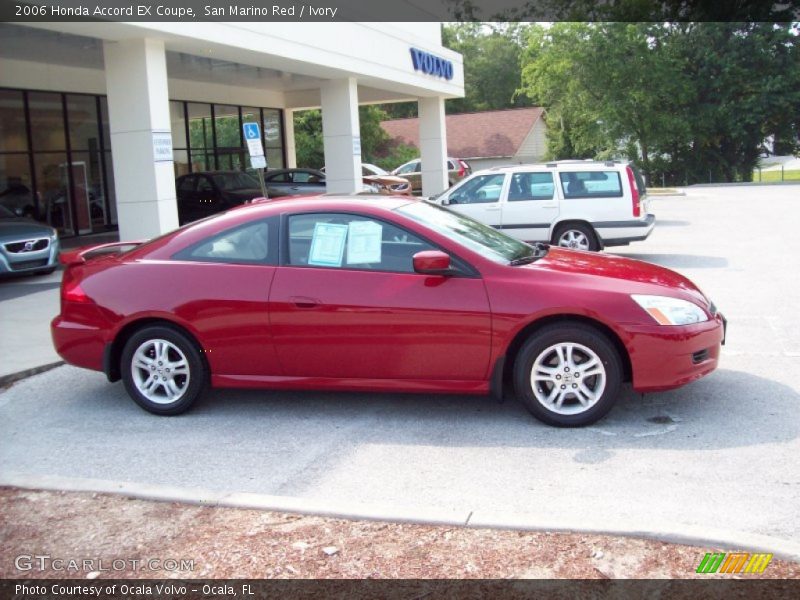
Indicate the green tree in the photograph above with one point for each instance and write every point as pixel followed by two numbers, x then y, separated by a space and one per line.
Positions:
pixel 376 145
pixel 691 100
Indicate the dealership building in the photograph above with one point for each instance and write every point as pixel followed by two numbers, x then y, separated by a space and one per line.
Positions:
pixel 98 119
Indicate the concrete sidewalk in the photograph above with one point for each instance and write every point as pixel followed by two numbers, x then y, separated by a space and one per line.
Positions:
pixel 27 305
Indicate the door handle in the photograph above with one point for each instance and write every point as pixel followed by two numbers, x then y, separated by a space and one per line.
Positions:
pixel 304 302
pixel 492 208
pixel 550 205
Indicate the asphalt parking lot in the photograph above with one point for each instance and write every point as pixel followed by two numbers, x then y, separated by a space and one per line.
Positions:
pixel 722 452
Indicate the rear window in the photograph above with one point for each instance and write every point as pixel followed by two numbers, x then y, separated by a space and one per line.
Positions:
pixel 591 184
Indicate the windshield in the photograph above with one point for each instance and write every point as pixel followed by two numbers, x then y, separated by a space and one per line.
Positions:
pixel 480 238
pixel 235 181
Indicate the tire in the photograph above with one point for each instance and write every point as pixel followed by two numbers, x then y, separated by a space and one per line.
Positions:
pixel 181 368
pixel 576 235
pixel 547 392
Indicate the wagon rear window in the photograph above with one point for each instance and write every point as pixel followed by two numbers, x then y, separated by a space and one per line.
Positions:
pixel 591 184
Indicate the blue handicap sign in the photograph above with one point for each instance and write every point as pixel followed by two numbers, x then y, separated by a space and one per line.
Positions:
pixel 252 131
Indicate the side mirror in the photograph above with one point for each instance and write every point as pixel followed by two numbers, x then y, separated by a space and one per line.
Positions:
pixel 432 262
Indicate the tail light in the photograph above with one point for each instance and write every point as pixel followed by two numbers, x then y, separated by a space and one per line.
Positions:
pixel 71 290
pixel 463 168
pixel 637 207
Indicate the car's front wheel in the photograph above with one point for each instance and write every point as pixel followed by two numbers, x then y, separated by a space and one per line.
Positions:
pixel 162 370
pixel 568 375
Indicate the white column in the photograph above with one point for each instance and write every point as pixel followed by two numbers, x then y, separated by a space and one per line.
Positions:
pixel 341 135
pixel 288 135
pixel 433 145
pixel 138 107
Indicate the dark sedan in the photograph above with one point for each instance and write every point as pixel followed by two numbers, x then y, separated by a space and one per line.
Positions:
pixel 294 182
pixel 206 193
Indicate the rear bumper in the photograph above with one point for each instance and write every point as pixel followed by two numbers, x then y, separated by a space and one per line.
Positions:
pixel 665 357
pixel 77 343
pixel 620 233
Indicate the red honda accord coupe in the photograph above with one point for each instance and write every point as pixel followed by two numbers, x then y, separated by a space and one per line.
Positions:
pixel 391 295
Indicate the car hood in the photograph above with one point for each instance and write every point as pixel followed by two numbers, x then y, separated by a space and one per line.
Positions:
pixel 385 179
pixel 608 271
pixel 18 228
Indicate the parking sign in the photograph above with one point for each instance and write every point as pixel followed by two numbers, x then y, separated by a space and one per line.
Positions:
pixel 252 135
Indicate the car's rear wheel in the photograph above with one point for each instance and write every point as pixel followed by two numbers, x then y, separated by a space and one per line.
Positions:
pixel 568 375
pixel 577 236
pixel 162 370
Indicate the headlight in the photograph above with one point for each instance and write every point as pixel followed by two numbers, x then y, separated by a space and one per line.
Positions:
pixel 670 311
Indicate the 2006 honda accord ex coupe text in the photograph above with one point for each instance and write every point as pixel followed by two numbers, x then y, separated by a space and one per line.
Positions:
pixel 379 294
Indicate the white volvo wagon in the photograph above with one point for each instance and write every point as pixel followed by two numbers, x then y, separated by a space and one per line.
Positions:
pixel 577 204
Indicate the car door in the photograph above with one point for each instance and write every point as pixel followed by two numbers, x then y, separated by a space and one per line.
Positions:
pixel 531 206
pixel 185 190
pixel 207 197
pixel 479 198
pixel 307 182
pixel 346 303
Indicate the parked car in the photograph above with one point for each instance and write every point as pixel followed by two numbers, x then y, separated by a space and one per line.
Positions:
pixel 378 181
pixel 386 183
pixel 294 182
pixel 457 169
pixel 26 246
pixel 585 205
pixel 202 194
pixel 396 296
pixel 18 198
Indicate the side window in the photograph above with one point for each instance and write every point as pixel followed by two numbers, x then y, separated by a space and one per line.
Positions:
pixel 591 184
pixel 482 189
pixel 451 165
pixel 304 177
pixel 279 178
pixel 187 184
pixel 531 186
pixel 351 242
pixel 204 185
pixel 411 167
pixel 245 244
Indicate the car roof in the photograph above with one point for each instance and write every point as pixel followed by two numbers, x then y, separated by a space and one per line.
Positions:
pixel 557 165
pixel 328 202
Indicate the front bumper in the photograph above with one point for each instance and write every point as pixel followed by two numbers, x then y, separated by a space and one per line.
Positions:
pixel 667 357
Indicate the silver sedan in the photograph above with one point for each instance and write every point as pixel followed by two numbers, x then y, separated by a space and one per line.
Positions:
pixel 26 246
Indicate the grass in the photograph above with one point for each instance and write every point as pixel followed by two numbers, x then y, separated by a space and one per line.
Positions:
pixel 776 175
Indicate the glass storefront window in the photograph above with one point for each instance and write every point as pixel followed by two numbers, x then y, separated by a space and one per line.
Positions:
pixel 13 137
pixel 226 124
pixel 53 190
pixel 16 187
pixel 83 122
pixel 200 131
pixel 47 121
pixel 59 170
pixel 272 128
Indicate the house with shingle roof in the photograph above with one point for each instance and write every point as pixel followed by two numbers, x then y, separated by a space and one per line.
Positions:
pixel 485 139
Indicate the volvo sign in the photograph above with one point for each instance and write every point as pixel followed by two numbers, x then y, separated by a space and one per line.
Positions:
pixel 431 64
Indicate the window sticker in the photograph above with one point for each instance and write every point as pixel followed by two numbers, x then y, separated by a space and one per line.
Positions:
pixel 364 242
pixel 327 245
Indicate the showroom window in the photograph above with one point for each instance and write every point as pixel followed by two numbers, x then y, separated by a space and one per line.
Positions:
pixel 54 159
pixel 55 152
pixel 214 134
